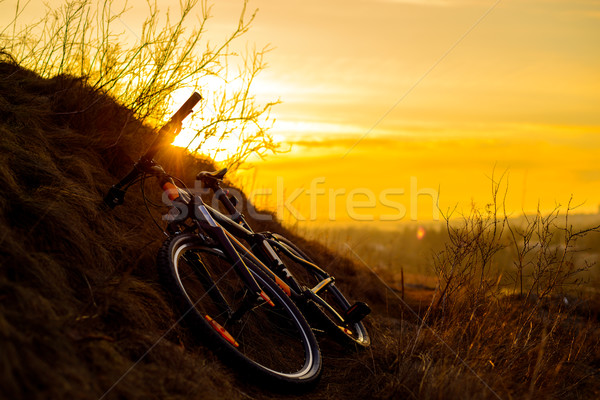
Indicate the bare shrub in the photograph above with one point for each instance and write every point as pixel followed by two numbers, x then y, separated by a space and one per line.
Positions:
pixel 474 266
pixel 546 251
pixel 464 267
pixel 82 38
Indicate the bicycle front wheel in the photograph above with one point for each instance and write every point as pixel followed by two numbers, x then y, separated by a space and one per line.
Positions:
pixel 271 341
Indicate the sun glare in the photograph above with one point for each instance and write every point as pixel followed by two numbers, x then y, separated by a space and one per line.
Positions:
pixel 227 137
pixel 219 150
pixel 420 233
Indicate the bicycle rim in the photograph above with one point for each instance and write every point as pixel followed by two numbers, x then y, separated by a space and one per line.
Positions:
pixel 272 340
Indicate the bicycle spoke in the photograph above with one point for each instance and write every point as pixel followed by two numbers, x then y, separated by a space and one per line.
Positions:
pixel 262 330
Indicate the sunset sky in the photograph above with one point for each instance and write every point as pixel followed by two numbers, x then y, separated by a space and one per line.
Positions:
pixel 447 92
pixel 387 101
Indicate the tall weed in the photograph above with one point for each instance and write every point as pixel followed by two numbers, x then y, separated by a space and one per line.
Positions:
pixel 85 39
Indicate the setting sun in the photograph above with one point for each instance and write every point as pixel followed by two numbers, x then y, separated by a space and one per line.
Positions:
pixel 219 149
pixel 191 135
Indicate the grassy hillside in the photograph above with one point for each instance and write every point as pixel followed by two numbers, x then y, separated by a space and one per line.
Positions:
pixel 82 314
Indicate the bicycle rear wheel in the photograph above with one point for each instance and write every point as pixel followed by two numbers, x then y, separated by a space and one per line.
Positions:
pixel 272 342
pixel 351 332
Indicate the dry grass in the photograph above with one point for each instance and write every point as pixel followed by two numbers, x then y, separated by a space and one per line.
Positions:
pixel 82 313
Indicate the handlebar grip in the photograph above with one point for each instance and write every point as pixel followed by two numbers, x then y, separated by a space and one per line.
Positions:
pixel 186 108
pixel 171 126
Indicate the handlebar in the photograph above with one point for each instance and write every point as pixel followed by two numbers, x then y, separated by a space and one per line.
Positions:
pixel 171 126
pixel 186 108
pixel 116 193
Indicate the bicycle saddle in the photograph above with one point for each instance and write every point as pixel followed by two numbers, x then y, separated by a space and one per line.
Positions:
pixel 215 175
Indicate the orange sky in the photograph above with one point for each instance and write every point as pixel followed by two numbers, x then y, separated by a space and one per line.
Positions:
pixel 376 93
pixel 385 101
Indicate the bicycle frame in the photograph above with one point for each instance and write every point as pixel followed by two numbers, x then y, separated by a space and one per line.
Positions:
pixel 224 230
pixel 228 232
pixel 267 259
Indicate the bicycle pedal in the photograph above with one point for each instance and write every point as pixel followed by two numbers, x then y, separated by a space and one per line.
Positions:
pixel 323 285
pixel 357 312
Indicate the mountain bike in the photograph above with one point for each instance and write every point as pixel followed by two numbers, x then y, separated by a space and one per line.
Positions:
pixel 240 291
pixel 311 288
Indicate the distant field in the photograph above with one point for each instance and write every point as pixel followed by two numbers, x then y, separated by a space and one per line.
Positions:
pixel 411 247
